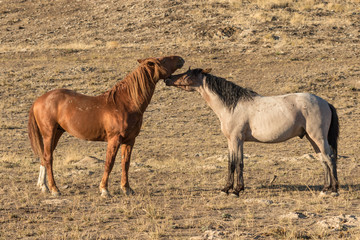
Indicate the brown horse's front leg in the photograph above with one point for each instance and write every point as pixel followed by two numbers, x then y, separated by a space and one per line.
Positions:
pixel 48 163
pixel 112 149
pixel 126 150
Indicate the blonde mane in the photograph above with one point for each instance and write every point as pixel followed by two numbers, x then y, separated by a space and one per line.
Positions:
pixel 140 84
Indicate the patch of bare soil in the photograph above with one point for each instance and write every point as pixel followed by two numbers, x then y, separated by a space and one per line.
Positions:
pixel 180 158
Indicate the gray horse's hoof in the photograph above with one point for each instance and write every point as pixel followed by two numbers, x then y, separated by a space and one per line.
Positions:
pixel 222 193
pixel 234 195
pixel 323 194
pixel 334 194
pixel 326 194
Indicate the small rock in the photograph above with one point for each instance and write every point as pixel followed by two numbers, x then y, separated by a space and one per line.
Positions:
pixel 341 222
pixel 261 201
pixel 357 85
pixel 56 202
pixel 294 215
pixel 89 161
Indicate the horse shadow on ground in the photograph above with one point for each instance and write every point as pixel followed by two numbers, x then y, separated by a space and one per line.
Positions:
pixel 303 188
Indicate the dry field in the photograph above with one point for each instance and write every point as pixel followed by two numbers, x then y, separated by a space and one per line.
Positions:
pixel 179 161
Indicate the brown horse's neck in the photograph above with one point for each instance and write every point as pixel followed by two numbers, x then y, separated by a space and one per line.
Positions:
pixel 134 91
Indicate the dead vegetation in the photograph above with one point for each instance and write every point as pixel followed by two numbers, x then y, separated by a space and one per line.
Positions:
pixel 179 161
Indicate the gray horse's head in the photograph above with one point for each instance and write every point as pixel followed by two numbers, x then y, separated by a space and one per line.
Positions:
pixel 189 80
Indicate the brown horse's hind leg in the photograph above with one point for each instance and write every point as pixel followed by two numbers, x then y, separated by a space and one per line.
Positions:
pixel 112 149
pixel 50 142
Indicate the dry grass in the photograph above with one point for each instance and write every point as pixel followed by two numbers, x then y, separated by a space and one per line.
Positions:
pixel 179 160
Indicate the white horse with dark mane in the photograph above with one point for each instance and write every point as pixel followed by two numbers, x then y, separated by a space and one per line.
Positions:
pixel 247 116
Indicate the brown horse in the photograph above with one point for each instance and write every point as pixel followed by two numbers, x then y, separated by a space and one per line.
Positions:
pixel 115 116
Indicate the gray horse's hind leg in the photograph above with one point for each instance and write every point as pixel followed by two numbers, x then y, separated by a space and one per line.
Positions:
pixel 327 180
pixel 331 161
pixel 328 162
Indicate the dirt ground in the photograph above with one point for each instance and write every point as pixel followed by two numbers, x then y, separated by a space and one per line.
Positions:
pixel 179 161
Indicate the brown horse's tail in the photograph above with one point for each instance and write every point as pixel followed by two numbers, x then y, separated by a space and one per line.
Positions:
pixel 333 134
pixel 35 137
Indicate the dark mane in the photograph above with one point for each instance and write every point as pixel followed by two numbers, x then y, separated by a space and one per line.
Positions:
pixel 229 92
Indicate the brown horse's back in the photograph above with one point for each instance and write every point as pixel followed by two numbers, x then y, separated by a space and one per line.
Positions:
pixel 74 113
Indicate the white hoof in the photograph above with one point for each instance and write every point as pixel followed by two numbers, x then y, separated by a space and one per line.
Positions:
pixel 105 193
pixel 43 188
pixel 233 195
pixel 55 194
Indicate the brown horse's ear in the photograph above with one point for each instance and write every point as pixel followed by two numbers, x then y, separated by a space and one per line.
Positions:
pixel 151 64
pixel 208 70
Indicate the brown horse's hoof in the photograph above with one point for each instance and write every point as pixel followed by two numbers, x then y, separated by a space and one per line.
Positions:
pixel 128 191
pixel 56 194
pixel 105 193
pixel 44 189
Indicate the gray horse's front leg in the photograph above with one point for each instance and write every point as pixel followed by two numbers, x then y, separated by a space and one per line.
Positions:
pixel 239 168
pixel 235 164
pixel 230 179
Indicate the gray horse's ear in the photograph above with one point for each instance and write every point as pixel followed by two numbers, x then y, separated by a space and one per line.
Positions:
pixel 197 71
pixel 208 70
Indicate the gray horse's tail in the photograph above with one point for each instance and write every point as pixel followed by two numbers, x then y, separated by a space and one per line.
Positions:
pixel 334 130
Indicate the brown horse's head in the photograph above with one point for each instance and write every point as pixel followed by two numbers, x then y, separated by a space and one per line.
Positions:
pixel 162 67
pixel 188 80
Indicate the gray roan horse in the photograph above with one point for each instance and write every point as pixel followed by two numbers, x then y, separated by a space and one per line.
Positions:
pixel 247 116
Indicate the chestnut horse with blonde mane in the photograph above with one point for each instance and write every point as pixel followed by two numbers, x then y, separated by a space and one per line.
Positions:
pixel 114 116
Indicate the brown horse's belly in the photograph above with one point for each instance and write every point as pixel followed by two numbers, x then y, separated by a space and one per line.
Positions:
pixel 86 127
pixel 81 117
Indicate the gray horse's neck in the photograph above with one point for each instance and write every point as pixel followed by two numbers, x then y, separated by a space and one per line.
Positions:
pixel 229 92
pixel 214 101
pixel 223 96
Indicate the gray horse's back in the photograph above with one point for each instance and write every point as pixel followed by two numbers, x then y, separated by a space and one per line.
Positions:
pixel 278 118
